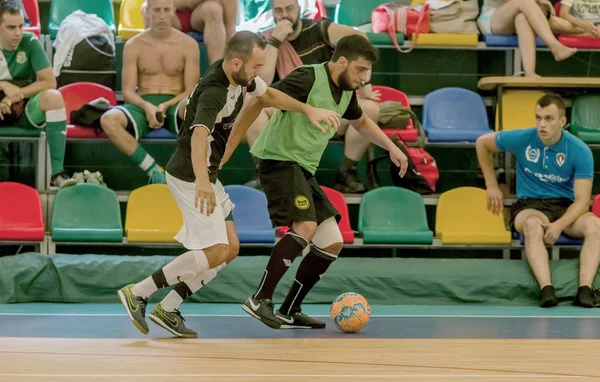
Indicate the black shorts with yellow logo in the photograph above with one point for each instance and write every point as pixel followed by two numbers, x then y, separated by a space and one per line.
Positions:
pixel 293 194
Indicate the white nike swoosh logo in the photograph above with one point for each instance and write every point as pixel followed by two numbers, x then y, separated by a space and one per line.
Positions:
pixel 63 132
pixel 290 321
pixel 253 306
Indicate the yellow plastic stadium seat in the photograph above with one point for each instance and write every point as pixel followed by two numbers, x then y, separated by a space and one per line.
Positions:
pixel 462 218
pixel 152 215
pixel 518 109
pixel 446 39
pixel 131 21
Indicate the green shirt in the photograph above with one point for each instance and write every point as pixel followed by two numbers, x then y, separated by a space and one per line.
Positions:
pixel 292 137
pixel 20 66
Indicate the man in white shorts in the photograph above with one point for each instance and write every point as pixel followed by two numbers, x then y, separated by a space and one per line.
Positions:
pixel 208 230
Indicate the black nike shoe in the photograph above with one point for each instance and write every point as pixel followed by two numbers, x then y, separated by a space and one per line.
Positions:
pixel 298 320
pixel 262 309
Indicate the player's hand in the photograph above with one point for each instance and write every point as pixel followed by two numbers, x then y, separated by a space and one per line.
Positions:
pixel 151 112
pixel 591 28
pixel 5 109
pixel 328 117
pixel 547 7
pixel 367 92
pixel 495 199
pixel 14 93
pixel 399 159
pixel 162 108
pixel 282 30
pixel 205 199
pixel 552 232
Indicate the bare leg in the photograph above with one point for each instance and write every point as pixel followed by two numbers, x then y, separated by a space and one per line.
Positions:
pixel 208 18
pixel 526 44
pixel 587 227
pixel 529 223
pixel 503 22
pixel 564 27
pixel 230 10
pixel 113 123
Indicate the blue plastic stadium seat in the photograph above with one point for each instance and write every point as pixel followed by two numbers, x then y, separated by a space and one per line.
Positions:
pixel 562 240
pixel 251 216
pixel 511 41
pixel 454 115
pixel 161 133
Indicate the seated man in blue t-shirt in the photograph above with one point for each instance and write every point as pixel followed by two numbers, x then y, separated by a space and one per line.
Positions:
pixel 555 171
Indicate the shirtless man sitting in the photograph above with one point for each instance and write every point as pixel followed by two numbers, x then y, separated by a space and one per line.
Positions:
pixel 163 65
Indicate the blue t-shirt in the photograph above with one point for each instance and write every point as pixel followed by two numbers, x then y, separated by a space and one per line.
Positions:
pixel 547 172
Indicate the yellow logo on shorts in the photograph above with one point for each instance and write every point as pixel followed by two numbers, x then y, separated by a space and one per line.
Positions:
pixel 301 202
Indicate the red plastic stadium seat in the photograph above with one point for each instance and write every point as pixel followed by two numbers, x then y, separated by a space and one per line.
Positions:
pixel 33 11
pixel 409 134
pixel 78 94
pixel 596 206
pixel 21 217
pixel 339 202
pixel 582 42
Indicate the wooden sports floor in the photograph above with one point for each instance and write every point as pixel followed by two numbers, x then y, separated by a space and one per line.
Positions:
pixel 97 342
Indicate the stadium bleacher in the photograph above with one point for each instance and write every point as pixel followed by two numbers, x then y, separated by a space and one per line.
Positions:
pixel 442 73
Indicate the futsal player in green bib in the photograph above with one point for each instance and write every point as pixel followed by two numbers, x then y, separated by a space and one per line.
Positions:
pixel 290 149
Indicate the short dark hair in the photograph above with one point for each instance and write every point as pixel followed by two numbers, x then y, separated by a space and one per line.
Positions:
pixel 10 7
pixel 353 47
pixel 241 44
pixel 553 99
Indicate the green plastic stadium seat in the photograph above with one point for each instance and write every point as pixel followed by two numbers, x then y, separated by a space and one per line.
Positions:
pixel 14 131
pixel 393 215
pixel 585 118
pixel 355 13
pixel 86 213
pixel 60 9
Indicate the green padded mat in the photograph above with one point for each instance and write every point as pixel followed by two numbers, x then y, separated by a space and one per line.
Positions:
pixel 32 277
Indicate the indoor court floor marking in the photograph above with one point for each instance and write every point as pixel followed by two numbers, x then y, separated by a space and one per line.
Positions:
pixel 96 342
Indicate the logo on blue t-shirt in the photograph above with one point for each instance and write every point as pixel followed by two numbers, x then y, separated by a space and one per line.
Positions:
pixel 533 155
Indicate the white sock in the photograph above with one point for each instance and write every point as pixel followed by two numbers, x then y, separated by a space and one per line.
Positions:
pixel 173 300
pixel 184 267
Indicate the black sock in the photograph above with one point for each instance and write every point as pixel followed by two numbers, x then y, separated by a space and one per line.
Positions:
pixel 309 273
pixel 282 256
pixel 160 279
pixel 183 290
pixel 548 297
pixel 347 163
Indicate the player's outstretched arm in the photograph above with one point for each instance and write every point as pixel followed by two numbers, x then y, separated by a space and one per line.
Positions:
pixel 279 100
pixel 369 129
pixel 250 111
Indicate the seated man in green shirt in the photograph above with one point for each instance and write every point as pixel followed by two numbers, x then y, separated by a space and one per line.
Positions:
pixel 29 98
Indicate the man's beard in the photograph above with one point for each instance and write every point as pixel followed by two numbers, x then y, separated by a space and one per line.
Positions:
pixel 344 81
pixel 240 77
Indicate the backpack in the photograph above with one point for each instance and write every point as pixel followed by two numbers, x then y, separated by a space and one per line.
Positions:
pixel 422 172
pixel 89 114
pixel 393 18
pixel 91 60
